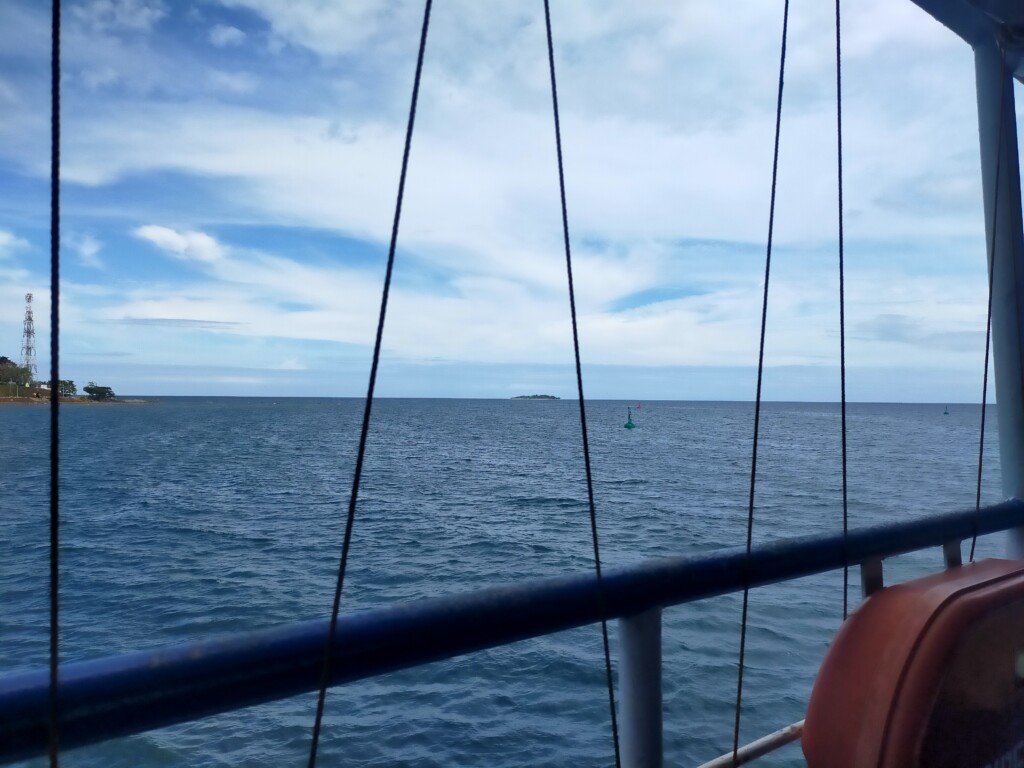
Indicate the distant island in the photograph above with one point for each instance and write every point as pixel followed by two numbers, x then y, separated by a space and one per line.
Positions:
pixel 535 397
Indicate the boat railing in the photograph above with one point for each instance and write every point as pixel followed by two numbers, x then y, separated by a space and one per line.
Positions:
pixel 105 698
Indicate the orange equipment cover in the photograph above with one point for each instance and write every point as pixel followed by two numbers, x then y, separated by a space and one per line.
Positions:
pixel 928 673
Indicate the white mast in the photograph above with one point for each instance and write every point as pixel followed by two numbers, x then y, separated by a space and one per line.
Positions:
pixel 995 29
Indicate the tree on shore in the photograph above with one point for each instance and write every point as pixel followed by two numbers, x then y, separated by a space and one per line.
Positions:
pixel 96 392
pixel 67 388
pixel 13 373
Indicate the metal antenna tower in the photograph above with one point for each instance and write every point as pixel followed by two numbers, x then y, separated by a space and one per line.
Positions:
pixel 28 339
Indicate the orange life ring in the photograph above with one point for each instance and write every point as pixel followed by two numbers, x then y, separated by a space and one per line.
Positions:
pixel 927 673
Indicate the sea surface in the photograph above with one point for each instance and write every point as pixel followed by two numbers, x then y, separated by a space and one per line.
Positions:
pixel 189 517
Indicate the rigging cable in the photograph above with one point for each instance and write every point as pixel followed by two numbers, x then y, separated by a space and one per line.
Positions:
pixel 364 432
pixel 988 316
pixel 760 375
pixel 579 386
pixel 54 734
pixel 842 308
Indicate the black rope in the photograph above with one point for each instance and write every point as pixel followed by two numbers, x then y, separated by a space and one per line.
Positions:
pixel 54 734
pixel 842 306
pixel 760 375
pixel 579 386
pixel 984 399
pixel 988 315
pixel 336 606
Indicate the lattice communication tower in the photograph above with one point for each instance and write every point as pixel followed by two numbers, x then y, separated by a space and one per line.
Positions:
pixel 28 339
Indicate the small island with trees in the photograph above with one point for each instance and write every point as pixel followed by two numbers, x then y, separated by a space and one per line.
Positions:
pixel 18 386
pixel 536 397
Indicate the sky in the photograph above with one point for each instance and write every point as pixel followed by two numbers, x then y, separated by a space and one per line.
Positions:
pixel 229 172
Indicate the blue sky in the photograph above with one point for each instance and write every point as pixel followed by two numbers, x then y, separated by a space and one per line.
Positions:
pixel 230 168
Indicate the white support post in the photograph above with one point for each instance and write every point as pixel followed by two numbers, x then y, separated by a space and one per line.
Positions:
pixel 997 129
pixel 640 713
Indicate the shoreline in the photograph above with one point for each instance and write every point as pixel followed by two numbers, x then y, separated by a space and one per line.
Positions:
pixel 69 401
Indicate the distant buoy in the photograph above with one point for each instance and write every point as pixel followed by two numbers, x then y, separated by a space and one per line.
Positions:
pixel 629 419
pixel 946 412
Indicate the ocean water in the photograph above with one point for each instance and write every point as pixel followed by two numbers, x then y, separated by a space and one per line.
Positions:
pixel 189 517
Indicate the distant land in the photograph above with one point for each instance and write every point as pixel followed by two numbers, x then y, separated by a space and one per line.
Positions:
pixel 45 401
pixel 535 397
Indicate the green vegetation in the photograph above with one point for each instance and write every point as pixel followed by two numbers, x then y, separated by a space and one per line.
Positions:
pixel 12 373
pixel 535 397
pixel 17 382
pixel 95 392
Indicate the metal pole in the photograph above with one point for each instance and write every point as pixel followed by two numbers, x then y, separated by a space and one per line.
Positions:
pixel 759 748
pixel 1000 176
pixel 640 690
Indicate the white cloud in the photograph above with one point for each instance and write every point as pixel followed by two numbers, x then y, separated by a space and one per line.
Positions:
pixel 233 82
pixel 88 249
pixel 503 319
pixel 120 15
pixel 100 77
pixel 188 245
pixel 8 96
pixel 223 35
pixel 882 23
pixel 9 244
pixel 323 26
pixel 667 129
pixel 648 153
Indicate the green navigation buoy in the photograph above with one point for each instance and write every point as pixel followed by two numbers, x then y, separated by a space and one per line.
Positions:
pixel 629 419
pixel 946 412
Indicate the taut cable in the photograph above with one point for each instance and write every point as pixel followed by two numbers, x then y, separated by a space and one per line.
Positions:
pixel 54 732
pixel 364 432
pixel 760 376
pixel 579 386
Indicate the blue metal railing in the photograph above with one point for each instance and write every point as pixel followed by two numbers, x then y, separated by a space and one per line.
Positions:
pixel 105 698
